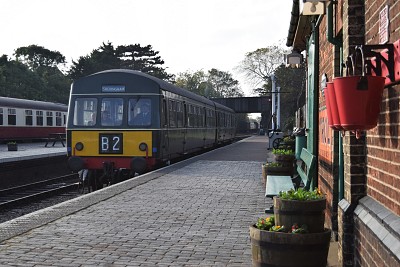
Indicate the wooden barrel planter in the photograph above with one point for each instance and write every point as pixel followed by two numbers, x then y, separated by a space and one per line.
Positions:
pixel 287 249
pixel 286 160
pixel 310 213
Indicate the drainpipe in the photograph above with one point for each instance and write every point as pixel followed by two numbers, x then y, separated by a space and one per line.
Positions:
pixel 337 42
pixel 329 29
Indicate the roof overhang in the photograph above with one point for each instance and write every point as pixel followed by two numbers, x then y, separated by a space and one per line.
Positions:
pixel 299 29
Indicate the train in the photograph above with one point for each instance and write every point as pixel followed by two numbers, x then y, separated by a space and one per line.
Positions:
pixel 30 120
pixel 125 122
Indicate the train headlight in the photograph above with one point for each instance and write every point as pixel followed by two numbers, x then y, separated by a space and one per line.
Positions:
pixel 143 147
pixel 79 146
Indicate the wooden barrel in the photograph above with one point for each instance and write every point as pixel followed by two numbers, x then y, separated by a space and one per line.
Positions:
pixel 286 249
pixel 310 213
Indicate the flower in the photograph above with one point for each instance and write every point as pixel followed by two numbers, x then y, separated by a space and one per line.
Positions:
pixel 268 224
pixel 265 223
pixel 299 230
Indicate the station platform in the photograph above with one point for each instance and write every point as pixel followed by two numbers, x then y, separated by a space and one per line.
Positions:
pixel 28 151
pixel 193 213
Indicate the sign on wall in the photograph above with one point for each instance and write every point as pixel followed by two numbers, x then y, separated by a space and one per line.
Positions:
pixel 384 25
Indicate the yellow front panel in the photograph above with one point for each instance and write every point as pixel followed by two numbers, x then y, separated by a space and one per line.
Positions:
pixel 131 142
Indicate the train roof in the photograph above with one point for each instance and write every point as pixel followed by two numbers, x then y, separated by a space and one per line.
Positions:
pixel 31 104
pixel 161 84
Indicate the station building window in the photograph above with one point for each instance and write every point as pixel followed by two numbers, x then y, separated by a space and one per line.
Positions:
pixel 1 116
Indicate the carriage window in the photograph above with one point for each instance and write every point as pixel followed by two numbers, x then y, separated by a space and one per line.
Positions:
pixel 1 116
pixel 85 111
pixel 28 117
pixel 49 118
pixel 172 114
pixel 140 111
pixel 179 114
pixel 58 119
pixel 39 118
pixel 12 116
pixel 111 111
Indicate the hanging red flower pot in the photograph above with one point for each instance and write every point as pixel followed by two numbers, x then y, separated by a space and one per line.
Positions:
pixel 331 107
pixel 358 101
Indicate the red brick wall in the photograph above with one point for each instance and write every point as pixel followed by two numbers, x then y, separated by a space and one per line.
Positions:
pixel 383 143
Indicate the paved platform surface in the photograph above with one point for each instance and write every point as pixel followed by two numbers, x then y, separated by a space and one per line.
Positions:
pixel 27 151
pixel 194 213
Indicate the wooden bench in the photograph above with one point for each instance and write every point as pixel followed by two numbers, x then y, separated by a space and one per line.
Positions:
pixel 55 137
pixel 277 183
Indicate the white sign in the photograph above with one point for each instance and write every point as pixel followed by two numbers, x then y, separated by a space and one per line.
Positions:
pixel 384 25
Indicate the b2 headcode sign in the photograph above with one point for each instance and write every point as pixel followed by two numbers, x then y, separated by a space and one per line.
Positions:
pixel 113 88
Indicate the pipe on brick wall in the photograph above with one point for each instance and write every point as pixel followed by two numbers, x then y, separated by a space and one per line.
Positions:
pixel 329 29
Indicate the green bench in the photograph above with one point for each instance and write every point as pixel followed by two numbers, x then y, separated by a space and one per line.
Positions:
pixel 277 183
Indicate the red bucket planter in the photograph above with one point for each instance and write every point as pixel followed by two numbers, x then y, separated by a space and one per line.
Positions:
pixel 358 100
pixel 331 107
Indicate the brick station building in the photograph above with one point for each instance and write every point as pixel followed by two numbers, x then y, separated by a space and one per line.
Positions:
pixel 360 174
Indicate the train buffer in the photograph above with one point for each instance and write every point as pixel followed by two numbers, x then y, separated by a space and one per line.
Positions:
pixel 55 137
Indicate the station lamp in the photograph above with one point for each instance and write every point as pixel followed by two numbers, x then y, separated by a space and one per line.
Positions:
pixel 294 59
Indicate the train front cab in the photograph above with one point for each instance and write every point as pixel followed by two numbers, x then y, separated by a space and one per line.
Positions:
pixel 108 139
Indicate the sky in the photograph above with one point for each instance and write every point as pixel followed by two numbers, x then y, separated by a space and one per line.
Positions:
pixel 190 35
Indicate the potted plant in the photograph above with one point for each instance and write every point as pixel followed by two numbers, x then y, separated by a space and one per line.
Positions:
pixel 302 207
pixel 12 146
pixel 285 156
pixel 288 142
pixel 276 168
pixel 271 244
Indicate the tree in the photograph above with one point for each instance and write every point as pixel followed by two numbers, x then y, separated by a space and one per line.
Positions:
pixel 223 84
pixel 134 57
pixel 214 83
pixel 259 65
pixel 195 82
pixel 18 81
pixel 36 56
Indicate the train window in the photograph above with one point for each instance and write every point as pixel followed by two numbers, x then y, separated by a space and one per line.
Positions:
pixel 172 113
pixel 28 117
pixel 165 113
pixel 190 116
pixel 85 110
pixel 140 112
pixel 1 116
pixel 12 116
pixel 179 114
pixel 39 118
pixel 58 119
pixel 112 111
pixel 49 118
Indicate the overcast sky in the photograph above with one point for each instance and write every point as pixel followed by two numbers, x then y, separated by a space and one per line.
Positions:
pixel 189 34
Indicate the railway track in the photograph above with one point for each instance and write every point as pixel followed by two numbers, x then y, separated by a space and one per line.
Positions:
pixel 21 195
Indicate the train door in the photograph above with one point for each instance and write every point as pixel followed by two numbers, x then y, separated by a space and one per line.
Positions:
pixel 164 130
pixel 204 123
pixel 184 128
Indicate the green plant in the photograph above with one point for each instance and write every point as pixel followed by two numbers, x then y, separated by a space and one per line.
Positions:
pixel 288 139
pixel 301 195
pixel 273 164
pixel 11 143
pixel 280 151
